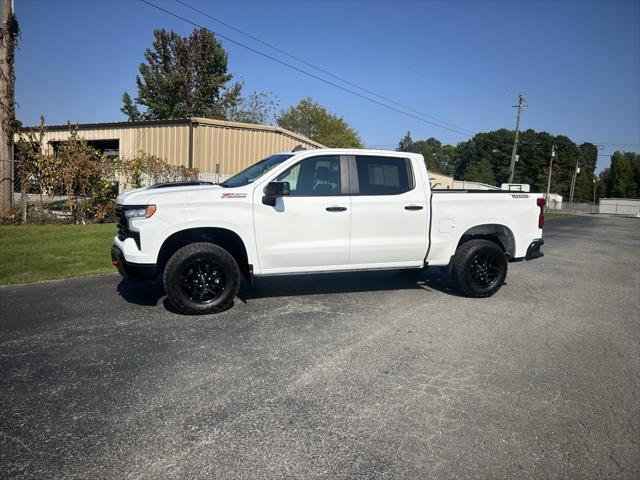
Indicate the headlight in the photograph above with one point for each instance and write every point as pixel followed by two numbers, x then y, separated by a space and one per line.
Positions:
pixel 140 212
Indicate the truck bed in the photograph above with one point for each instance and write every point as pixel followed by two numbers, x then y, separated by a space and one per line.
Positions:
pixel 455 213
pixel 469 190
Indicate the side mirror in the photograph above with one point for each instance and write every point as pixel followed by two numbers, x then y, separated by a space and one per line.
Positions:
pixel 274 190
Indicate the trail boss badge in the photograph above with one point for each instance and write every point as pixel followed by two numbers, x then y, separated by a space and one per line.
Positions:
pixel 234 195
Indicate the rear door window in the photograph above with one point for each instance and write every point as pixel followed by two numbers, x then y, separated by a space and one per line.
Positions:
pixel 383 175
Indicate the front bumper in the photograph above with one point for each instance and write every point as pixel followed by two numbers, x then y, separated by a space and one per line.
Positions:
pixel 139 272
pixel 533 251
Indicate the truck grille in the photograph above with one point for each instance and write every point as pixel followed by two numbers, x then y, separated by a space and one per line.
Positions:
pixel 123 227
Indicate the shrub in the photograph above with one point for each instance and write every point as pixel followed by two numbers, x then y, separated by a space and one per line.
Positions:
pixel 144 170
pixel 88 180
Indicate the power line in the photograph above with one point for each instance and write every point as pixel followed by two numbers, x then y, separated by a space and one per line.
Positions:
pixel 612 144
pixel 326 72
pixel 293 67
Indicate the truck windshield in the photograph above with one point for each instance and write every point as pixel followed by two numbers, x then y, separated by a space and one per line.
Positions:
pixel 248 175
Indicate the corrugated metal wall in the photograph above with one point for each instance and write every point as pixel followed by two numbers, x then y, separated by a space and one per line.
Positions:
pixel 218 146
pixel 170 142
pixel 229 149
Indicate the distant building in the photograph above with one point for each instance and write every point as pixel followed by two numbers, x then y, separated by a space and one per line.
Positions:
pixel 554 201
pixel 466 185
pixel 439 181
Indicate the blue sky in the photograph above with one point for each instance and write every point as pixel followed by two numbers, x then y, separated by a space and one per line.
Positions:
pixel 578 63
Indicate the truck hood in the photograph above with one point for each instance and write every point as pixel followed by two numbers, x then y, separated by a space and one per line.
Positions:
pixel 168 194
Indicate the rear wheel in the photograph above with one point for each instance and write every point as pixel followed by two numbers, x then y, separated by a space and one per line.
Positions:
pixel 201 278
pixel 479 268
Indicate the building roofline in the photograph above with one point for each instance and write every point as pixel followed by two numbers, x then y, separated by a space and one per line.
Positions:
pixel 195 121
pixel 104 125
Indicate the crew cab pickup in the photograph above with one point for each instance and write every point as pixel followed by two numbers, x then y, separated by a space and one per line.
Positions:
pixel 315 211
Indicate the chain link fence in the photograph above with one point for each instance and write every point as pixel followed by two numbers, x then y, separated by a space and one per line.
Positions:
pixel 577 208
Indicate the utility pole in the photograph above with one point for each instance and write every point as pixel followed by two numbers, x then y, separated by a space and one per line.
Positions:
pixel 514 152
pixel 6 140
pixel 573 183
pixel 553 154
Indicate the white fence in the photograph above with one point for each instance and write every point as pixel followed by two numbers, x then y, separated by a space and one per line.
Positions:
pixel 576 208
pixel 620 206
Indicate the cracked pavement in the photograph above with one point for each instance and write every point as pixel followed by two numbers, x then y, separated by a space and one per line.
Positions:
pixel 364 375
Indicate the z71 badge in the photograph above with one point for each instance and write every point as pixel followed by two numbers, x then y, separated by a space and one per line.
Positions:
pixel 234 195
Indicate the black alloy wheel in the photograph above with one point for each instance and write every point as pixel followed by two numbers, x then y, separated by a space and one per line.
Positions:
pixel 203 280
pixel 484 270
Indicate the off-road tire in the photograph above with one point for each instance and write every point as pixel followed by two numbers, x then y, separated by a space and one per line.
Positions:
pixel 479 268
pixel 182 263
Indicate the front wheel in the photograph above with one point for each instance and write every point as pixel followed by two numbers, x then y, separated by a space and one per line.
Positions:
pixel 201 278
pixel 479 268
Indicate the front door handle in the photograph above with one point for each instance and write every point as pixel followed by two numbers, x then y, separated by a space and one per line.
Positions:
pixel 413 207
pixel 336 209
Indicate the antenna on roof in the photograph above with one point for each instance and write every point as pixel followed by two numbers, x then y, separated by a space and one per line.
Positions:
pixel 298 148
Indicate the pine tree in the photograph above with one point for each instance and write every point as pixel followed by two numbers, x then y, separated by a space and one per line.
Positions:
pixel 480 171
pixel 184 77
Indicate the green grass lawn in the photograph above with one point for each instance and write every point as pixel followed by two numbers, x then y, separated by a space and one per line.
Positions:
pixel 31 253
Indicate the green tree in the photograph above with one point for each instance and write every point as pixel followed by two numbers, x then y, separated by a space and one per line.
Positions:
pixel 130 109
pixel 405 143
pixel 493 146
pixel 480 171
pixel 439 158
pixel 487 156
pixel 621 182
pixel 584 180
pixel 534 151
pixel 184 77
pixel 604 182
pixel 258 108
pixel 317 123
pixel 634 159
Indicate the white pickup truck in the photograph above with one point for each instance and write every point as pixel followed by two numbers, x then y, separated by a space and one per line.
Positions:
pixel 324 210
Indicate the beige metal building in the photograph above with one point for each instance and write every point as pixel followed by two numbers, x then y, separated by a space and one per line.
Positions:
pixel 439 181
pixel 218 149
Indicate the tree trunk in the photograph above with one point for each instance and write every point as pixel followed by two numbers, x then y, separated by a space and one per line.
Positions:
pixel 6 140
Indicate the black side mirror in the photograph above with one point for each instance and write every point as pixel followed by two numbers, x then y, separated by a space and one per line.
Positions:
pixel 274 190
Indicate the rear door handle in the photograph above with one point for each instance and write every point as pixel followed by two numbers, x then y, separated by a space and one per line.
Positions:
pixel 413 207
pixel 336 209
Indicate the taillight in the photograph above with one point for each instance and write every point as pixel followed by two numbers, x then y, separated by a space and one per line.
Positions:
pixel 540 202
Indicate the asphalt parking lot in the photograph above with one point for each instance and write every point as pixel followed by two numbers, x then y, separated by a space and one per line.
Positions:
pixel 371 375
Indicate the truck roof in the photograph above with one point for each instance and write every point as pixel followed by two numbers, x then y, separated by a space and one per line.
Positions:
pixel 352 151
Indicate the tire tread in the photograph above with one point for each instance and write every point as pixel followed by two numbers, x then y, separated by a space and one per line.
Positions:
pixel 459 264
pixel 174 294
